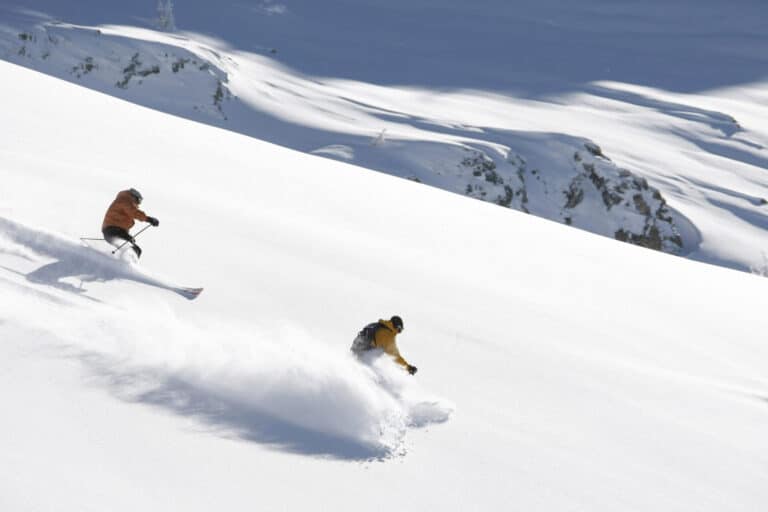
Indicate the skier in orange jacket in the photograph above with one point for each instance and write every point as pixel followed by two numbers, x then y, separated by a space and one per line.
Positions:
pixel 120 218
pixel 382 335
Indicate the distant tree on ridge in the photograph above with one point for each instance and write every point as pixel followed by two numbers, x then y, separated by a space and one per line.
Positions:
pixel 165 15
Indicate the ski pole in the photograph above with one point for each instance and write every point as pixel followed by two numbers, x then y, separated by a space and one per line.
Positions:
pixel 134 238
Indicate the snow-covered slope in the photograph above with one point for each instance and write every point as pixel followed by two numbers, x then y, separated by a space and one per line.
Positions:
pixel 558 370
pixel 512 108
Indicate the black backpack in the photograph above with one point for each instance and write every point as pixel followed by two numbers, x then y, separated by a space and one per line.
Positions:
pixel 366 338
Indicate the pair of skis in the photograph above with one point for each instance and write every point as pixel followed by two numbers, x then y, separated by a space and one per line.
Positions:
pixel 189 293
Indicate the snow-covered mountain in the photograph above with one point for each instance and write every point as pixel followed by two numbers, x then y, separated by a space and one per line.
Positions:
pixel 526 135
pixel 558 370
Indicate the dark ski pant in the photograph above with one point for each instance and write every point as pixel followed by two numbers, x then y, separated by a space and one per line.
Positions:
pixel 117 236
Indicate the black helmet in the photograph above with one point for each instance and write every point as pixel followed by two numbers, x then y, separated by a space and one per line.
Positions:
pixel 397 322
pixel 136 195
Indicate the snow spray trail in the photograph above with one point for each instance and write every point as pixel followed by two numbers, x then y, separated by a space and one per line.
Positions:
pixel 276 386
pixel 71 259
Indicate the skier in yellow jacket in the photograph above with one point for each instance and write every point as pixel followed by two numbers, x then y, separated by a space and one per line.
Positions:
pixel 382 335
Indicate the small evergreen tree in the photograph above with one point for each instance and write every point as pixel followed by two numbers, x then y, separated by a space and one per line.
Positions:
pixel 165 15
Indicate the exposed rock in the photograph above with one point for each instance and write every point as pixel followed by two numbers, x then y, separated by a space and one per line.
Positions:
pixel 481 165
pixel 596 195
pixel 84 67
pixel 221 94
pixel 179 64
pixel 134 68
pixel 509 194
pixel 650 238
pixel 205 90
pixel 595 150
pixel 611 195
pixel 574 195
pixel 640 205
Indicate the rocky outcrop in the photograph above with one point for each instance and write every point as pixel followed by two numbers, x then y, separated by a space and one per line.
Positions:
pixel 590 192
pixel 105 62
pixel 134 68
pixel 645 218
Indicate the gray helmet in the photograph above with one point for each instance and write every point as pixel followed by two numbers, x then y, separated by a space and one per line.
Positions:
pixel 136 195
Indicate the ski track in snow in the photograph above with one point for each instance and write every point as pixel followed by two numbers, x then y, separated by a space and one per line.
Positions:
pixel 590 375
pixel 278 387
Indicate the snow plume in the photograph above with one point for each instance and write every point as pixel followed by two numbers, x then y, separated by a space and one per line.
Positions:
pixel 278 386
pixel 281 388
pixel 422 407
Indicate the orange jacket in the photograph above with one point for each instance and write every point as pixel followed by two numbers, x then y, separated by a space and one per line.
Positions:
pixel 385 340
pixel 123 211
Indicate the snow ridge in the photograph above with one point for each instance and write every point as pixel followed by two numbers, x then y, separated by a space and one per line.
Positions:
pixel 551 175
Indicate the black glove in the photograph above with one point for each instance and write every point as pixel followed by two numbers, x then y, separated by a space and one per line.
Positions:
pixel 153 221
pixel 412 369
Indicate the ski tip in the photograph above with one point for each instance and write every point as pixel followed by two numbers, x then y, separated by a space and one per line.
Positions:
pixel 189 293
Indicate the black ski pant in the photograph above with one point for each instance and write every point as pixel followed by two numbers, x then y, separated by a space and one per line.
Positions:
pixel 117 236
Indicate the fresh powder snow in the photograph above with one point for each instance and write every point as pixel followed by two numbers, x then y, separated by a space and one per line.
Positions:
pixel 558 370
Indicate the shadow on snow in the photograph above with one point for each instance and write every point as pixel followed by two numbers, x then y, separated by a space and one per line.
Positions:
pixel 222 415
pixel 73 261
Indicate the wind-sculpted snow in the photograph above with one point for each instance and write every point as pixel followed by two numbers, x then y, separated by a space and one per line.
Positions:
pixel 276 385
pixel 137 65
pixel 466 140
pixel 552 175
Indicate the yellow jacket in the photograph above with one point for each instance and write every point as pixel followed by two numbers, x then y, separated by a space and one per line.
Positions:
pixel 385 340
